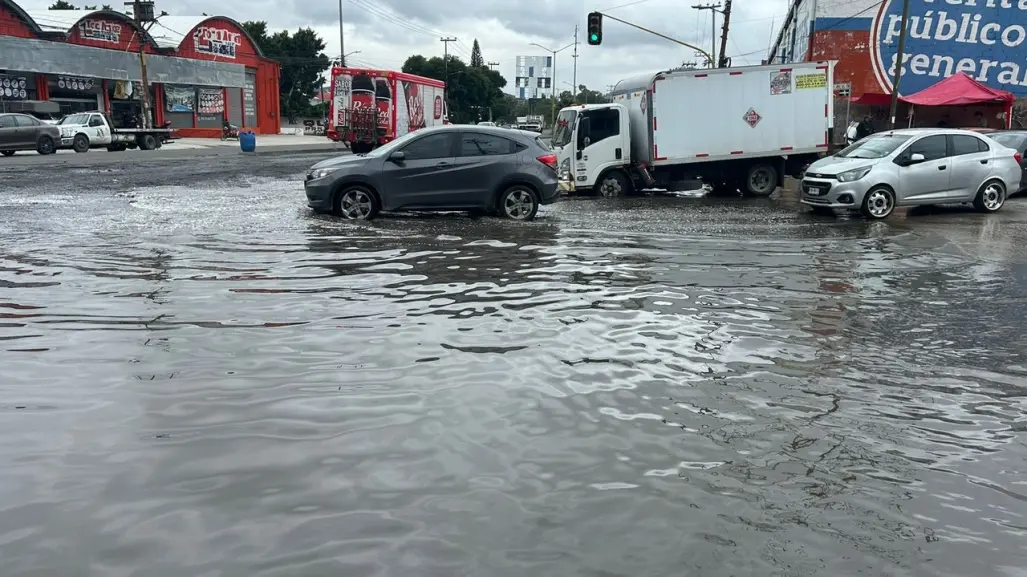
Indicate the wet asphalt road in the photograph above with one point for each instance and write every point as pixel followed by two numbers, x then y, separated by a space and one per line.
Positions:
pixel 201 378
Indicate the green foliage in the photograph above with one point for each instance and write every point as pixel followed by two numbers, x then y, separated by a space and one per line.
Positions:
pixel 94 7
pixel 476 60
pixel 63 5
pixel 303 66
pixel 471 92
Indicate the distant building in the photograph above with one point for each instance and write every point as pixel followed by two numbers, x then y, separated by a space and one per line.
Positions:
pixel 987 39
pixel 533 77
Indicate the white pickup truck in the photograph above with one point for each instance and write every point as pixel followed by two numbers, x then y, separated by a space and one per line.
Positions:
pixel 86 130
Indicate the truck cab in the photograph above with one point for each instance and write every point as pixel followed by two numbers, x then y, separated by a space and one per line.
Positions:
pixel 593 145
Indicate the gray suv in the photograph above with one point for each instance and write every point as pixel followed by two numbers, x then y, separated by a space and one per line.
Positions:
pixel 450 167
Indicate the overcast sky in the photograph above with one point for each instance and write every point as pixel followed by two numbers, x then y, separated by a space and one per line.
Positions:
pixel 387 31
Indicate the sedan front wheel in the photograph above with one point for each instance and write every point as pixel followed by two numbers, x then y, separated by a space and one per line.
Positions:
pixel 357 203
pixel 878 203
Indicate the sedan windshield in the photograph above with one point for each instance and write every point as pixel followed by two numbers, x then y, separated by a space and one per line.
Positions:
pixel 75 119
pixel 564 127
pixel 877 146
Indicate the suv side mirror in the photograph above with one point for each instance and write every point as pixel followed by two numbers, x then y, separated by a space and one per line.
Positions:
pixel 397 157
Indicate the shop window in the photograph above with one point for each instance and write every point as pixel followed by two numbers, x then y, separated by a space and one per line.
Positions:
pixel 127 104
pixel 179 105
pixel 210 108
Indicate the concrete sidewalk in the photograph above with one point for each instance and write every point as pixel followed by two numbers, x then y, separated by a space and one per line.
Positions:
pixel 266 143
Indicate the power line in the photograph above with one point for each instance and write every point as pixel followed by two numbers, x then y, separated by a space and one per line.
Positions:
pixel 397 20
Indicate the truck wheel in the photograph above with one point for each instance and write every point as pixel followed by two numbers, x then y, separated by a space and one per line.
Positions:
pixel 614 184
pixel 147 142
pixel 760 180
pixel 81 143
pixel 7 152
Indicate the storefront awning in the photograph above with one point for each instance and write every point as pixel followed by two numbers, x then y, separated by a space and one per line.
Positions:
pixel 43 57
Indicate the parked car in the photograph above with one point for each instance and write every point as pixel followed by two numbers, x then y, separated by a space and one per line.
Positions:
pixel 450 167
pixel 914 167
pixel 24 132
pixel 1017 140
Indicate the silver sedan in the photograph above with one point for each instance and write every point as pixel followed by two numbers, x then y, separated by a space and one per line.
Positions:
pixel 913 167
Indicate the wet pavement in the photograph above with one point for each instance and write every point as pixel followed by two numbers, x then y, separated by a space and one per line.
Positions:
pixel 202 378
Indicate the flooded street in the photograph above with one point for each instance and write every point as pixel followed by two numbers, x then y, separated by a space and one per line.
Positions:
pixel 204 379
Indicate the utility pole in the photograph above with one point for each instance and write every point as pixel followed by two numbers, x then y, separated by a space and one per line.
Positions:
pixel 445 56
pixel 575 82
pixel 899 61
pixel 722 61
pixel 142 12
pixel 342 39
pixel 713 8
pixel 492 65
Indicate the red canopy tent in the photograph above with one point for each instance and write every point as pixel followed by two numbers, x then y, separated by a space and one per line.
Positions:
pixel 959 90
pixel 956 90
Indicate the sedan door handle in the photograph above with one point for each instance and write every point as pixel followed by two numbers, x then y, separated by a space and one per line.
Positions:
pixel 441 164
pixel 984 162
pixel 943 167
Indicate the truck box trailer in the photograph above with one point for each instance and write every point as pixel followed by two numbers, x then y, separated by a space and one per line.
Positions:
pixel 370 107
pixel 733 128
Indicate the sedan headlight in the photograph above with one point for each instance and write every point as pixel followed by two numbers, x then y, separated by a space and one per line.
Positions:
pixel 854 174
pixel 321 172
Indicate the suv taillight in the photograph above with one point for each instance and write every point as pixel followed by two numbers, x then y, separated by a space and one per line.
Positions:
pixel 1019 159
pixel 549 160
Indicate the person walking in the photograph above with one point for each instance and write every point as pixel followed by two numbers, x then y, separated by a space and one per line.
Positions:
pixel 864 128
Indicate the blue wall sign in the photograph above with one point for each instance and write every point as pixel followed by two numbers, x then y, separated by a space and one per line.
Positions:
pixel 987 39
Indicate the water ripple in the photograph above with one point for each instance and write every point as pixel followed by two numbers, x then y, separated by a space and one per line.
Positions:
pixel 290 395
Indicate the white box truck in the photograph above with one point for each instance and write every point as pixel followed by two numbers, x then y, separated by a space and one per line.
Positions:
pixel 732 128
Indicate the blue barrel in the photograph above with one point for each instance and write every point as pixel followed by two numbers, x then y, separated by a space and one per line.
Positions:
pixel 247 141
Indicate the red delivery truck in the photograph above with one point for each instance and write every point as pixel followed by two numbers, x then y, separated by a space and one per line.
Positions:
pixel 370 107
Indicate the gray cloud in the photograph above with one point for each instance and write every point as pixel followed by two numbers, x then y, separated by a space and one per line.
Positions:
pixel 387 31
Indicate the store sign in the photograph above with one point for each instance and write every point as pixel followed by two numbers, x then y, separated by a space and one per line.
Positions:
pixel 217 41
pixel 100 30
pixel 984 39
pixel 13 88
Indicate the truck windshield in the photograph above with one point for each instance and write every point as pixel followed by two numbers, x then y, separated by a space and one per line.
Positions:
pixel 876 146
pixel 564 127
pixel 75 119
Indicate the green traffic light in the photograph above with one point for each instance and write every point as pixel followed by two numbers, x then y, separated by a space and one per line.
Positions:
pixel 595 37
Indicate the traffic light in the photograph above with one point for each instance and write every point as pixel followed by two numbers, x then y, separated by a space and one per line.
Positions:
pixel 595 28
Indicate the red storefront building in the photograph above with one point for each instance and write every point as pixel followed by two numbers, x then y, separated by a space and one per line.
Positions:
pixel 201 70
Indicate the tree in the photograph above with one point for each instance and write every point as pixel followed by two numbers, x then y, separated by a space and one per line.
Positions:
pixel 471 92
pixel 303 63
pixel 62 5
pixel 476 60
pixel 93 7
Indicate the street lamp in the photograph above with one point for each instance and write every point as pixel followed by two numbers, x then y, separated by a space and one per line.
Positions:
pixel 553 91
pixel 342 61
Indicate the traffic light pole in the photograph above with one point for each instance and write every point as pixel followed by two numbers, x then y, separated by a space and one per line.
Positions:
pixel 708 56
